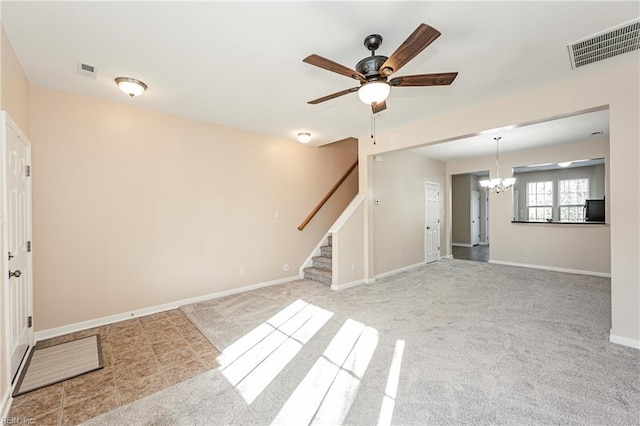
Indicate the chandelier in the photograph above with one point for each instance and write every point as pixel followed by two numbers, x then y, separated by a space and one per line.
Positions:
pixel 496 184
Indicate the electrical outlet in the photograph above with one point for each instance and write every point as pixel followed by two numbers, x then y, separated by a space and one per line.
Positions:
pixel 353 266
pixel 400 255
pixel 527 253
pixel 242 271
pixel 285 267
pixel 276 214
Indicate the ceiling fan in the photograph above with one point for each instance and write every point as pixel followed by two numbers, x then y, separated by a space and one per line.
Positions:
pixel 373 71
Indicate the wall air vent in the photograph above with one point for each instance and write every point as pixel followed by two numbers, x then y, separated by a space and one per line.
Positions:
pixel 606 44
pixel 87 70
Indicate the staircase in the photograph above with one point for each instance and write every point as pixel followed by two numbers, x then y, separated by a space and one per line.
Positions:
pixel 321 269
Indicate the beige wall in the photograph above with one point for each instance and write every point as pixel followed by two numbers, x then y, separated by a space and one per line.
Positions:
pixel 14 98
pixel 399 216
pixel 347 241
pixel 614 82
pixel 461 209
pixel 14 87
pixel 135 208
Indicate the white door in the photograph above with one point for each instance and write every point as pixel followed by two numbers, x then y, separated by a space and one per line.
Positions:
pixel 432 221
pixel 17 235
pixel 475 217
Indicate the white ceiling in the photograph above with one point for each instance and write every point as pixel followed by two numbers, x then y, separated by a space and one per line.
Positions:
pixel 239 64
pixel 577 128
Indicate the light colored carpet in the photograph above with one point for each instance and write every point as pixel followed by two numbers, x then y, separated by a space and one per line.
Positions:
pixel 54 364
pixel 474 343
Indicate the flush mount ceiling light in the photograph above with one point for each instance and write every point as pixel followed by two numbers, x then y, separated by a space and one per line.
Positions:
pixel 374 92
pixel 304 137
pixel 131 86
pixel 565 164
pixel 496 184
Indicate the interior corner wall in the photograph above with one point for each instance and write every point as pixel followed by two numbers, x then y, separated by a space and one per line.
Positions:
pixel 461 209
pixel 135 208
pixel 614 82
pixel 399 211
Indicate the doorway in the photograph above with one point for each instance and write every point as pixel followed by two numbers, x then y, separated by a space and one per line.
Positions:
pixel 16 242
pixel 432 222
pixel 470 217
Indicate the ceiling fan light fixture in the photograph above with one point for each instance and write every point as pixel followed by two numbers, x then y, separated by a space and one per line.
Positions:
pixel 304 137
pixel 131 86
pixel 374 92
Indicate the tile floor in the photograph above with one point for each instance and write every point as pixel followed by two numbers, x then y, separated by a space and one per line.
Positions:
pixel 478 253
pixel 141 356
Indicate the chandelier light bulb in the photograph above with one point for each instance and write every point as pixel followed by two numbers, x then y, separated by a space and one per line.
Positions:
pixel 496 184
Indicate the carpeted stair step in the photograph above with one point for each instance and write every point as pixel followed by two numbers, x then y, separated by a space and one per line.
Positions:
pixel 325 251
pixel 330 238
pixel 322 262
pixel 319 275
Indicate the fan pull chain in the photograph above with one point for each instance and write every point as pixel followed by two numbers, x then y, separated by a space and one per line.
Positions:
pixel 373 128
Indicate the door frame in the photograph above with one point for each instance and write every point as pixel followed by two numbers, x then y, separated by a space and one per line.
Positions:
pixel 437 185
pixel 475 239
pixel 7 122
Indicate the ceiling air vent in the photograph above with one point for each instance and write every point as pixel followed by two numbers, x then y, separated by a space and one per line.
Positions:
pixel 87 70
pixel 606 44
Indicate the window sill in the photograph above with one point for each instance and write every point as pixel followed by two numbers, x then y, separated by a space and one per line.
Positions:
pixel 553 222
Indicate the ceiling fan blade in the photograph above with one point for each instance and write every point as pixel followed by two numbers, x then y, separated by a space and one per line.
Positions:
pixel 333 95
pixel 440 79
pixel 422 37
pixel 329 65
pixel 380 106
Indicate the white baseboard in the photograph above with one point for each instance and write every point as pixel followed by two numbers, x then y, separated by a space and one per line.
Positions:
pixel 369 280
pixel 448 256
pixel 624 341
pixel 461 245
pixel 71 328
pixel 553 268
pixel 397 271
pixel 6 404
pixel 339 287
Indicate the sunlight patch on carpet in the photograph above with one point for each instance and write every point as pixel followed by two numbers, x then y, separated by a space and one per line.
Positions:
pixel 326 393
pixel 389 400
pixel 252 362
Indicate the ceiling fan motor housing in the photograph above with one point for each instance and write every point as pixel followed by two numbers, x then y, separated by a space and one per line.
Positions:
pixel 370 66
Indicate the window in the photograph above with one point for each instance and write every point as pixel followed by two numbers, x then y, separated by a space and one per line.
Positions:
pixel 572 195
pixel 540 201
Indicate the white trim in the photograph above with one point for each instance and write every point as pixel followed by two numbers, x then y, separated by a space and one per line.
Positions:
pixel 448 256
pixel 624 341
pixel 483 243
pixel 553 268
pixel 461 245
pixel 338 287
pixel 71 328
pixel 397 271
pixel 369 280
pixel 6 403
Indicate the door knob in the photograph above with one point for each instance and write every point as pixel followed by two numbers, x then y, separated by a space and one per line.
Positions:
pixel 428 227
pixel 15 274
